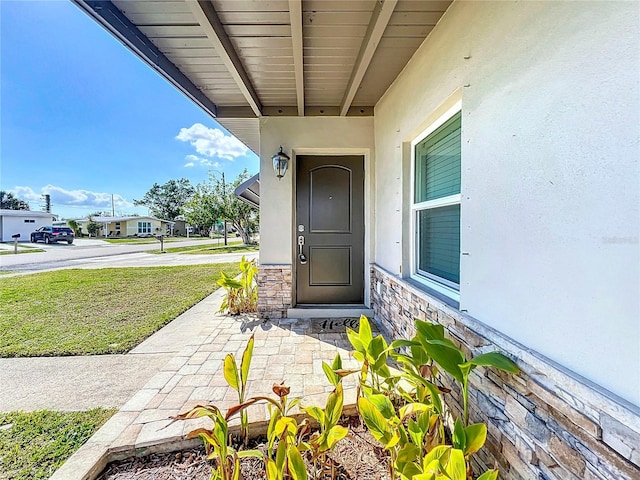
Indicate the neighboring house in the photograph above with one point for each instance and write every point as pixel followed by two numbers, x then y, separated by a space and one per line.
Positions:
pixel 131 226
pixel 471 163
pixel 22 222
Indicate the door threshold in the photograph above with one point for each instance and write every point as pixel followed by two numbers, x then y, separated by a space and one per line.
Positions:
pixel 328 311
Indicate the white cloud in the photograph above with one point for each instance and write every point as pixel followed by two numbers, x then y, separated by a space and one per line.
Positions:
pixel 212 142
pixel 200 161
pixel 76 198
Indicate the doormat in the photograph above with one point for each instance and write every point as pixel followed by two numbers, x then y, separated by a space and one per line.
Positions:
pixel 337 325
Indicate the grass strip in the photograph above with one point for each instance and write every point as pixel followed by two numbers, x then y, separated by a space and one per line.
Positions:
pixel 101 311
pixel 33 445
pixel 20 250
pixel 236 246
pixel 152 239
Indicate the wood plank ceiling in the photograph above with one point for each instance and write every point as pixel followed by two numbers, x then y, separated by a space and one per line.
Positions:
pixel 244 59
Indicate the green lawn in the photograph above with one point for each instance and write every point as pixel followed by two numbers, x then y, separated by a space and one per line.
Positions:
pixel 151 239
pixel 33 445
pixel 233 246
pixel 102 311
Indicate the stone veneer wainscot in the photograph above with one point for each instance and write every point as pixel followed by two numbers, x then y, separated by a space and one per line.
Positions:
pixel 274 290
pixel 546 422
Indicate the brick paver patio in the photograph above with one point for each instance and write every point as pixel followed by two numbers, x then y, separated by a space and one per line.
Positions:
pixel 285 350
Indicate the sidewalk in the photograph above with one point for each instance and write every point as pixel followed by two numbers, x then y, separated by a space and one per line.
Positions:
pixel 196 342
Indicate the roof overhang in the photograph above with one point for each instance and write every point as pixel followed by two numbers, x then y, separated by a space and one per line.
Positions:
pixel 249 191
pixel 240 60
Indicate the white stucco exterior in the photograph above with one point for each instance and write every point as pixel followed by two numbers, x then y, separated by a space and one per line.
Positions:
pixel 550 174
pixel 23 222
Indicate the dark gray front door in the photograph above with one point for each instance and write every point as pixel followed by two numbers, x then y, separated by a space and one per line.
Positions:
pixel 330 219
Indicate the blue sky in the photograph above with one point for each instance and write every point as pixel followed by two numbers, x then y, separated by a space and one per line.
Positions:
pixel 82 118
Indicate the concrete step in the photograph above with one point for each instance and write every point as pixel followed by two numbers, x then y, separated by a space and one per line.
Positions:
pixel 329 311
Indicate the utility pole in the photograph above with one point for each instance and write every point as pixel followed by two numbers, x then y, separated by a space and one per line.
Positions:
pixel 47 203
pixel 224 198
pixel 113 210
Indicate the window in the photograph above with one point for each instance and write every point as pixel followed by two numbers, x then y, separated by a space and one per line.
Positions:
pixel 435 208
pixel 28 220
pixel 144 227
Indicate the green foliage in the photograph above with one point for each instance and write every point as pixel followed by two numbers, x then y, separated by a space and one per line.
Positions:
pixel 35 444
pixel 93 227
pixel 216 441
pixel 373 353
pixel 215 201
pixel 329 432
pixel 8 201
pixel 242 295
pixel 237 379
pixel 168 201
pixel 401 409
pixel 73 225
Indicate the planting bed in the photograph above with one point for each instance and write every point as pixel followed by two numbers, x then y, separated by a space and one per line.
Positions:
pixel 356 457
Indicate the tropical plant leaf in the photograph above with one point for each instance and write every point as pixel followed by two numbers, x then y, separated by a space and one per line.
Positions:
pixel 489 475
pixel 246 361
pixel 272 470
pixel 333 378
pixel 382 404
pixel 496 360
pixel 458 437
pixel 364 332
pixel 439 454
pixel 230 370
pixel 355 341
pixel 297 468
pixel 377 424
pixel 457 466
pixel 337 362
pixel 250 453
pixel 476 435
pixel 316 413
pixel 337 433
pixel 333 410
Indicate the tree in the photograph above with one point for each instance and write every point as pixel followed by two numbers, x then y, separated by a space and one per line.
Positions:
pixel 200 210
pixel 9 202
pixel 167 201
pixel 93 227
pixel 223 205
pixel 73 225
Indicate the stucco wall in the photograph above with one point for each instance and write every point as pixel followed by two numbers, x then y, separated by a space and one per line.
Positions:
pixel 550 175
pixel 308 135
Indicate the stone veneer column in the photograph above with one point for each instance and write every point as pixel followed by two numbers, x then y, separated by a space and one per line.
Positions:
pixel 546 422
pixel 274 290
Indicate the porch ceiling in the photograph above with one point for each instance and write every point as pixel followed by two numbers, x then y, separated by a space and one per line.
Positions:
pixel 243 59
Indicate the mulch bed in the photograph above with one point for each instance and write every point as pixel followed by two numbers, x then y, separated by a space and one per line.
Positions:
pixel 357 457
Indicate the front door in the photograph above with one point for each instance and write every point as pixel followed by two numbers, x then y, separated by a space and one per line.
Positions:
pixel 330 226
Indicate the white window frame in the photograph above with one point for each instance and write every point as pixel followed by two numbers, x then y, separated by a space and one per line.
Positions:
pixel 440 285
pixel 143 226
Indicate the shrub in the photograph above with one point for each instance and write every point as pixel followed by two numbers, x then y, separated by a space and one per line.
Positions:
pixel 242 295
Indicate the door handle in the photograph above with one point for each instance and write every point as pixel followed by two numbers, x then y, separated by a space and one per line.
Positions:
pixel 302 258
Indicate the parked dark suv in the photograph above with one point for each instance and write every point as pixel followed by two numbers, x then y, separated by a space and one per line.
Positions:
pixel 53 234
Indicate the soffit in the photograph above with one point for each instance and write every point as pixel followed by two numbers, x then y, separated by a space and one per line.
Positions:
pixel 243 59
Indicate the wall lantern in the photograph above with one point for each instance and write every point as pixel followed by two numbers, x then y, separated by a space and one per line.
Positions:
pixel 280 163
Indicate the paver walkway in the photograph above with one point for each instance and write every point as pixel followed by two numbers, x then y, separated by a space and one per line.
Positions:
pixel 285 350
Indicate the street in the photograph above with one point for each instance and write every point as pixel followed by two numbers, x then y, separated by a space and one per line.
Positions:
pixel 92 253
